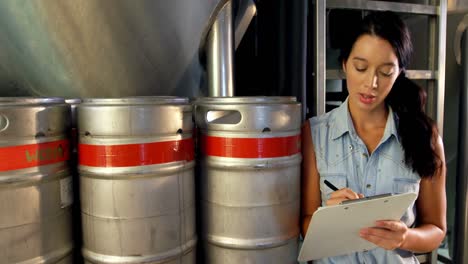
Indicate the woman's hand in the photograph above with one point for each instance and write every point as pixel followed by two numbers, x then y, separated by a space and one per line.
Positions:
pixel 342 195
pixel 386 234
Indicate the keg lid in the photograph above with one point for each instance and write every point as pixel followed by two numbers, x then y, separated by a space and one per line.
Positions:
pixel 17 101
pixel 247 100
pixel 136 100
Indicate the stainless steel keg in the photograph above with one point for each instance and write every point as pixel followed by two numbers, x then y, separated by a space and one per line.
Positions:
pixel 35 184
pixel 250 178
pixel 136 165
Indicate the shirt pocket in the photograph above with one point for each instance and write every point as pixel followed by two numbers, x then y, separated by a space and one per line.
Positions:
pixel 338 179
pixel 405 185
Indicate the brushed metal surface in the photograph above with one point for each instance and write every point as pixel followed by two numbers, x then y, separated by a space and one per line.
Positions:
pixel 249 206
pixel 35 224
pixel 102 48
pixel 137 214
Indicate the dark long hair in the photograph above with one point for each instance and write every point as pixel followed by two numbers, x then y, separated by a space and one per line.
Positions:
pixel 417 132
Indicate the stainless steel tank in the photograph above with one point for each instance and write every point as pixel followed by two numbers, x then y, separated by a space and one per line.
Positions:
pixel 91 48
pixel 115 48
pixel 136 164
pixel 35 184
pixel 250 178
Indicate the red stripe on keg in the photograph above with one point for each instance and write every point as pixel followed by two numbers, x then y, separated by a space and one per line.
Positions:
pixel 129 155
pixel 33 155
pixel 251 147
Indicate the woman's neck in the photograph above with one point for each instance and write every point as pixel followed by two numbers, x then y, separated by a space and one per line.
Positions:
pixel 363 119
pixel 369 125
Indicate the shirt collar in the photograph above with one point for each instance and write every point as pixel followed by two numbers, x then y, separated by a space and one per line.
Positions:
pixel 344 124
pixel 391 126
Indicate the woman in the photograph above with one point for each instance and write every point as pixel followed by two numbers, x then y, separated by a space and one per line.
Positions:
pixel 378 141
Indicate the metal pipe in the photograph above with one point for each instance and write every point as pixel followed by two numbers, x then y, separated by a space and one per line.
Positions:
pixel 320 63
pixel 442 19
pixel 245 13
pixel 220 54
pixel 461 225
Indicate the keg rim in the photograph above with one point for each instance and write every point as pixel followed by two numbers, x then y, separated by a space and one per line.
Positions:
pixel 246 100
pixel 73 100
pixel 136 100
pixel 16 101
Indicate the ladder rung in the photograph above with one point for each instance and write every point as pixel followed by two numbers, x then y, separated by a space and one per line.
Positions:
pixel 411 74
pixel 383 6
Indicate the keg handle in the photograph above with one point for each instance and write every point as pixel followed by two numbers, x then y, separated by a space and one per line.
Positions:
pixel 223 117
pixel 4 122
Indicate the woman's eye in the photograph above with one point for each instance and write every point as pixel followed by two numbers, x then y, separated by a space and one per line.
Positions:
pixel 386 74
pixel 360 69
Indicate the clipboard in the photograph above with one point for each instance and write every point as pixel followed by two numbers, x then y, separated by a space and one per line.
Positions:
pixel 334 230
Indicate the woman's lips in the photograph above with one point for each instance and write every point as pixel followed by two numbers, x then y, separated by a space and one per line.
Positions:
pixel 367 98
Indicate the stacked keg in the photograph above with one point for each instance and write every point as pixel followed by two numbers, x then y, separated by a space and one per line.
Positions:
pixel 250 178
pixel 136 166
pixel 35 183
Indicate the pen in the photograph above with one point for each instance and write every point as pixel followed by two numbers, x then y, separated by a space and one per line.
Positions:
pixel 330 185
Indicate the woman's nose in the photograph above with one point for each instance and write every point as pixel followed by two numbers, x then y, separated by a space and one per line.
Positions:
pixel 372 80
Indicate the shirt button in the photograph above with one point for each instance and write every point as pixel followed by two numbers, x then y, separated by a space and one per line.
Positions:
pixel 364 155
pixel 368 186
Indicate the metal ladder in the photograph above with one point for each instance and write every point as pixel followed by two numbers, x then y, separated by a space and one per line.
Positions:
pixel 436 10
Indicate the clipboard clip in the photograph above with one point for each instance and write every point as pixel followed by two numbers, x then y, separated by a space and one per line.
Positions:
pixel 366 198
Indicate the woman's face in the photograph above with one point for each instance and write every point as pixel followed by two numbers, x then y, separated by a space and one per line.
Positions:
pixel 371 69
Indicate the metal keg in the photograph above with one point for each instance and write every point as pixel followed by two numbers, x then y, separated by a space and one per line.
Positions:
pixel 250 178
pixel 35 183
pixel 136 165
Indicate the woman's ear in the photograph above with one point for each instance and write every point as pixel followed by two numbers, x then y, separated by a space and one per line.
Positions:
pixel 343 65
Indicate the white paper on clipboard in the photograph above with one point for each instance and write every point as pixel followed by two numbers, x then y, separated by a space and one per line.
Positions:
pixel 334 230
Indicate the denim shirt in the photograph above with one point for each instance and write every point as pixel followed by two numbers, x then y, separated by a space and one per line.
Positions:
pixel 342 159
